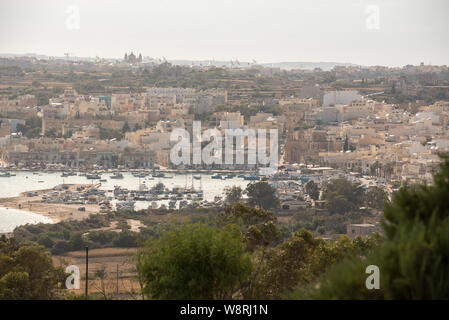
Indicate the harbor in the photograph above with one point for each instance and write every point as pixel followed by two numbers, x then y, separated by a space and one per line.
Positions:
pixel 62 195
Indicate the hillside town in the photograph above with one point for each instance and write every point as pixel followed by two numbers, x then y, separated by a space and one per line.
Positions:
pixel 203 150
pixel 325 133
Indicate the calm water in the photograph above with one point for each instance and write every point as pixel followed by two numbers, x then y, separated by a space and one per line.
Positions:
pixel 11 218
pixel 27 181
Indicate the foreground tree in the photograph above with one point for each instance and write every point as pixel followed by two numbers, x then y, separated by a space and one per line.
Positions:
pixel 414 258
pixel 194 261
pixel 299 261
pixel 27 272
pixel 257 225
pixel 262 195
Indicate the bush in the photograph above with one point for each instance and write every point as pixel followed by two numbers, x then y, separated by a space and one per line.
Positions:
pixel 414 257
pixel 194 261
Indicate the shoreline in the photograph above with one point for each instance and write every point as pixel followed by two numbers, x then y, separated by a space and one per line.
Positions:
pixel 56 212
pixel 10 222
pixel 41 214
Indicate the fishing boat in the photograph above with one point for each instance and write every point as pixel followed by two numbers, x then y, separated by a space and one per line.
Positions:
pixel 93 176
pixel 117 176
pixel 251 177
pixel 140 175
pixel 7 175
pixel 67 174
pixel 217 176
pixel 125 205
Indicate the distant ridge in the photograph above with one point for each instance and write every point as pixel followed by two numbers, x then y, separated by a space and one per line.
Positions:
pixel 326 66
pixel 308 65
pixel 282 65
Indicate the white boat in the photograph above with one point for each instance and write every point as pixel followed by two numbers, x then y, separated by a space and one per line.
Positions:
pixel 117 176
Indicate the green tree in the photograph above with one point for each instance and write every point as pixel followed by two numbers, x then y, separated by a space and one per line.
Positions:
pixel 262 194
pixel 375 198
pixel 312 190
pixel 414 256
pixel 27 272
pixel 51 133
pixel 342 196
pixel 233 194
pixel 194 261
pixel 126 127
pixel 298 262
pixel 36 83
pixel 346 145
pixel 257 225
pixel 107 134
pixel 32 127
pixel 375 168
pixel 137 126
pixel 388 169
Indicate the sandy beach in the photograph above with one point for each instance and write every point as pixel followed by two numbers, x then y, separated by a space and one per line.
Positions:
pixel 55 211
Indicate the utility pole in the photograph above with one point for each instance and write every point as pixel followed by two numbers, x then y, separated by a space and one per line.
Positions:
pixel 87 269
pixel 117 280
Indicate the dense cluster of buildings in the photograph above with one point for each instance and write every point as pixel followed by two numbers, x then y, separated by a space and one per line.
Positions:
pixel 338 129
pixel 369 137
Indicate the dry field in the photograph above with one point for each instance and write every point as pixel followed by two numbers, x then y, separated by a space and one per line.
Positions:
pixel 103 266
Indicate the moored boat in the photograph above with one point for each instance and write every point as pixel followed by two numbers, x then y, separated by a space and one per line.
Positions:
pixel 117 176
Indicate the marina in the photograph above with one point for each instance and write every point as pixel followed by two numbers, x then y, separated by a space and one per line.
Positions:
pixel 47 195
pixel 70 194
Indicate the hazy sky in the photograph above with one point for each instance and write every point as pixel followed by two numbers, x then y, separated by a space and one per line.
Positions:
pixel 406 31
